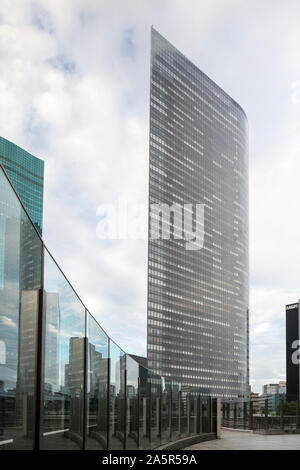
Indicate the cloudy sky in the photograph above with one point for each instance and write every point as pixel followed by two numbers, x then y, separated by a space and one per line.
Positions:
pixel 74 90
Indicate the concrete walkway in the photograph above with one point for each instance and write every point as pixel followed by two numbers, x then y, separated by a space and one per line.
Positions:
pixel 246 440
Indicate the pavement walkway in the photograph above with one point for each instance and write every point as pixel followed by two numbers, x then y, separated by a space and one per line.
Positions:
pixel 247 440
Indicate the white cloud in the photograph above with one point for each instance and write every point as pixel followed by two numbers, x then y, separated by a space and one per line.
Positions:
pixel 6 321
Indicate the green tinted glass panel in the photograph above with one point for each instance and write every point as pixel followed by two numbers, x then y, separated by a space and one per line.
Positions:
pixel 26 173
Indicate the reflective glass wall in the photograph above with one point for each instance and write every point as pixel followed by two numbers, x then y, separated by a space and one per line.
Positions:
pixel 20 291
pixel 64 384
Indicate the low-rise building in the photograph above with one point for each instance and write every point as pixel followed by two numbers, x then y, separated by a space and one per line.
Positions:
pixel 273 401
pixel 254 398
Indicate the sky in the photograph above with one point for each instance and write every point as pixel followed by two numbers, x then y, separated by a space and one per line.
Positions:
pixel 74 90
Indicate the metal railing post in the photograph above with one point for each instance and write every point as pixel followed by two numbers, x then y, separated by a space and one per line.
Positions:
pixel 125 404
pixel 171 412
pixel 281 414
pixel 179 412
pixel 245 415
pixel 40 351
pixel 160 414
pixel 251 416
pixel 108 398
pixel 234 414
pixel 200 416
pixel 149 411
pixel 138 411
pixel 188 414
pixel 85 391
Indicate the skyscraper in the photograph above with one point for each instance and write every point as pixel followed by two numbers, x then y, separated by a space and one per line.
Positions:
pixel 26 173
pixel 292 323
pixel 197 298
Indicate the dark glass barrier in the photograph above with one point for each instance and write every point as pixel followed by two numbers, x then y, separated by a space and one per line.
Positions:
pixel 20 284
pixel 62 414
pixel 116 397
pixel 132 403
pixel 97 386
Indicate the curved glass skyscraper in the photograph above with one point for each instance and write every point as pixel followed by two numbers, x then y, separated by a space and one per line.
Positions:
pixel 197 297
pixel 26 172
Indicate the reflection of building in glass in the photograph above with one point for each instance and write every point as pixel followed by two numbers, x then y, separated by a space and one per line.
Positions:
pixel 19 295
pixel 9 304
pixel 112 390
pixel 27 347
pixel 97 393
pixel 75 379
pixel 198 300
pixel 27 359
pixel 97 371
pixel 30 256
pixel 26 173
pixel 95 367
pixel 130 391
pixel 20 277
pixel 52 340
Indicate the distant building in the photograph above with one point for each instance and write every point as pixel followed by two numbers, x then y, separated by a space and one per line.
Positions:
pixel 52 340
pixel 273 401
pixel 282 386
pixel 270 389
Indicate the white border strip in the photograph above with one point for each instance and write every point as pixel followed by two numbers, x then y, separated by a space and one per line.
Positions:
pixel 8 441
pixel 55 432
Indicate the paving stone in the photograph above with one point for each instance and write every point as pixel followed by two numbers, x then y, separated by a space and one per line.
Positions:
pixel 237 440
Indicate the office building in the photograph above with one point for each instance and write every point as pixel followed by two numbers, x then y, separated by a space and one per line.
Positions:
pixel 292 351
pixel 51 372
pixel 26 173
pixel 273 400
pixel 270 389
pixel 282 386
pixel 197 328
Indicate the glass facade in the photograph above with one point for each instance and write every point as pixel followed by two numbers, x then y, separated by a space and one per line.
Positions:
pixel 26 173
pixel 20 291
pixel 64 384
pixel 197 299
pixel 63 378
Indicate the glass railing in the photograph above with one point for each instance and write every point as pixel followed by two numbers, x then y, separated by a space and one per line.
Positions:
pixel 64 384
pixel 268 413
